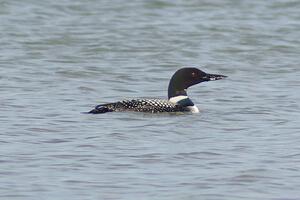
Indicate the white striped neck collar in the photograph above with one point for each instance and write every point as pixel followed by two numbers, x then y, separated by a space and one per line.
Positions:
pixel 182 100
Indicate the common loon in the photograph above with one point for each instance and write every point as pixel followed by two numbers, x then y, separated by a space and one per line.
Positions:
pixel 178 101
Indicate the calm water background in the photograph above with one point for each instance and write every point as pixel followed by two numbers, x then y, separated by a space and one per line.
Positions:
pixel 60 58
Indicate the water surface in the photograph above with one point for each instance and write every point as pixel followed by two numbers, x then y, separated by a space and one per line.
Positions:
pixel 60 58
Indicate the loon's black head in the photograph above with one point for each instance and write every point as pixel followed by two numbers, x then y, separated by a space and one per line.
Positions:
pixel 186 77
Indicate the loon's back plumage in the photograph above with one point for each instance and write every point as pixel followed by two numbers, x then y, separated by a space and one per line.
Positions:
pixel 140 105
pixel 178 100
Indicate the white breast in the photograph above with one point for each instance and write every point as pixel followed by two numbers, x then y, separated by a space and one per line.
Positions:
pixel 193 109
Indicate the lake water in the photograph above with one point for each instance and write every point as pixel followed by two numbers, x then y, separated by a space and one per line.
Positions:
pixel 60 58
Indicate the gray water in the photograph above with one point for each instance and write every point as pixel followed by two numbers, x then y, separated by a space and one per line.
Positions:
pixel 60 58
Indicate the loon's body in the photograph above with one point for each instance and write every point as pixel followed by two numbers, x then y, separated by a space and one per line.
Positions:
pixel 144 105
pixel 178 101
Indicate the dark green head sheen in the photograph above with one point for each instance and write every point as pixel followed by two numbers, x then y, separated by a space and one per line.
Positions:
pixel 186 77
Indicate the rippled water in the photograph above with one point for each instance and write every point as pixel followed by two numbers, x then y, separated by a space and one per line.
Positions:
pixel 60 58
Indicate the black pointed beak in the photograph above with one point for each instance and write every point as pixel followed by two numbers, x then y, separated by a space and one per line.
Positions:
pixel 213 77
